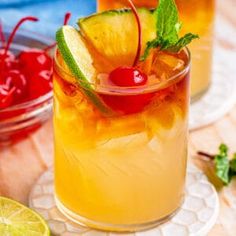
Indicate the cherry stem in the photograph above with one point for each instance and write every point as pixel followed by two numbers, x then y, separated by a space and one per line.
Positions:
pixel 209 156
pixel 66 20
pixel 2 36
pixel 12 35
pixel 134 10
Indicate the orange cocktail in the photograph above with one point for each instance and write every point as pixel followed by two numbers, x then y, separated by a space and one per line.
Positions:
pixel 120 170
pixel 197 16
pixel 120 120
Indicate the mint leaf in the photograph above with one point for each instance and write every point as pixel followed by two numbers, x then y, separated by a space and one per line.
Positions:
pixel 182 42
pixel 222 168
pixel 151 44
pixel 168 24
pixel 223 150
pixel 225 168
pixel 222 164
pixel 167 30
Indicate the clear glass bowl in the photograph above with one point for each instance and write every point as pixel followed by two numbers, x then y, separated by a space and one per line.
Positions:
pixel 18 121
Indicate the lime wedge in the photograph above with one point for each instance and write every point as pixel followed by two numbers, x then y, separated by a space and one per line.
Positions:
pixel 77 57
pixel 18 220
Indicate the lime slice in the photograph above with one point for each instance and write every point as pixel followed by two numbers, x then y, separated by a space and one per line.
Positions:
pixel 77 57
pixel 18 220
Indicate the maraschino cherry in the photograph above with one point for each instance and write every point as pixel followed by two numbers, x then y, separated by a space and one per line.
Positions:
pixel 13 81
pixel 5 96
pixel 34 60
pixel 26 76
pixel 132 69
pixel 126 76
pixel 40 83
pixel 38 59
pixel 7 60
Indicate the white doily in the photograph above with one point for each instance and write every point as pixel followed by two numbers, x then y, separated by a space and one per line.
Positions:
pixel 196 217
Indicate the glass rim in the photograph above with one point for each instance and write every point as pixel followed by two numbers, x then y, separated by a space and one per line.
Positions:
pixel 30 33
pixel 118 90
pixel 29 104
pixel 27 119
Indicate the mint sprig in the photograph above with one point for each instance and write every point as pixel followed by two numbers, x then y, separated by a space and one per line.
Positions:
pixel 222 164
pixel 168 27
pixel 225 168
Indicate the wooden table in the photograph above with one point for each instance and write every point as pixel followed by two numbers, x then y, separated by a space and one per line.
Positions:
pixel 22 164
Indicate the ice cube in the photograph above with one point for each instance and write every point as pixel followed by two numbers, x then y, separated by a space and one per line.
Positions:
pixel 166 65
pixel 153 79
pixel 171 61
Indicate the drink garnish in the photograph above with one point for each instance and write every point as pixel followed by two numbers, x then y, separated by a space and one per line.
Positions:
pixel 225 168
pixel 67 18
pixel 17 219
pixel 103 45
pixel 125 76
pixel 114 36
pixel 134 10
pixel 77 57
pixel 167 30
pixel 128 77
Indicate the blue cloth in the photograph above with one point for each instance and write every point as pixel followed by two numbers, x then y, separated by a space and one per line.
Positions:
pixel 50 13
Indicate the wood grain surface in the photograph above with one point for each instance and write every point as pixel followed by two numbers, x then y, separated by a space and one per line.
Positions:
pixel 23 163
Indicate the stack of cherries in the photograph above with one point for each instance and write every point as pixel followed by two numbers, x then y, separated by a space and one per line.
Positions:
pixel 23 77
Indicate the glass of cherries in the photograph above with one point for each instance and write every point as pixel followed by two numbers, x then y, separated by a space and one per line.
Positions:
pixel 25 82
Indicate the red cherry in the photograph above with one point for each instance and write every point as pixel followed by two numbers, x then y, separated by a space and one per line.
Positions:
pixel 14 78
pixel 7 60
pixel 6 56
pixel 6 98
pixel 40 83
pixel 127 77
pixel 127 104
pixel 34 60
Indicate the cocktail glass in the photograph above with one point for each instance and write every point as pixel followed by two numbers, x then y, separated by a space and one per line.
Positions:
pixel 123 171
